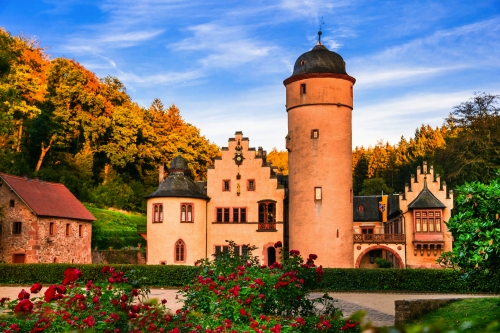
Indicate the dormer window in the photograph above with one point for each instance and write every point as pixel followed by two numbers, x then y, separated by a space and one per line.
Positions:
pixel 302 62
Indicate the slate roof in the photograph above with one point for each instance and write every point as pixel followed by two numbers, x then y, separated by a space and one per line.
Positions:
pixel 47 199
pixel 370 207
pixel 319 60
pixel 178 184
pixel 426 199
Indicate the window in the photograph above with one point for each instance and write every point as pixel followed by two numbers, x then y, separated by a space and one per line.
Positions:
pixel 67 229
pixel 11 203
pixel 315 134
pixel 51 229
pixel 367 230
pixel 226 185
pixel 361 209
pixel 241 250
pixel 303 88
pixel 427 221
pixel 251 185
pixel 17 228
pixel 267 212
pixel 187 211
pixel 239 214
pixel 302 62
pixel 317 193
pixel 224 215
pixel 180 251
pixel 375 254
pixel 157 213
pixel 80 230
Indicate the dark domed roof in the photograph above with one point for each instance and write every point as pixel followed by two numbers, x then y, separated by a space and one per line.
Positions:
pixel 319 60
pixel 179 163
pixel 178 184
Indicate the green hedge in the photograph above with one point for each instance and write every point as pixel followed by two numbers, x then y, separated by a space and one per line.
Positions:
pixel 335 279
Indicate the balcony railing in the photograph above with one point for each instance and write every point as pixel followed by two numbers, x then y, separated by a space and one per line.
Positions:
pixel 379 238
pixel 266 226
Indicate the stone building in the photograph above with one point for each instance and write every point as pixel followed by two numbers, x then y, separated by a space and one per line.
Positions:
pixel 42 222
pixel 313 209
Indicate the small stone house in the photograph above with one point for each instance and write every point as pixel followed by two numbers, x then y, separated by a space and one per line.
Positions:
pixel 42 222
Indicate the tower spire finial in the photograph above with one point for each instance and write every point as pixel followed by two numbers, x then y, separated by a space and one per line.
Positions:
pixel 320 32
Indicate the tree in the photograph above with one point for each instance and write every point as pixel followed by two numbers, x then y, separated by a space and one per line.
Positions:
pixel 475 225
pixel 279 159
pixel 375 186
pixel 472 151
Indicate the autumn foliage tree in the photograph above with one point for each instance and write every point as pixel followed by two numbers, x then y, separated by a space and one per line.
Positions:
pixel 62 122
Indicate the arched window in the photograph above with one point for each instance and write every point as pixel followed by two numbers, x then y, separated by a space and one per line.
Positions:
pixel 187 212
pixel 180 251
pixel 157 213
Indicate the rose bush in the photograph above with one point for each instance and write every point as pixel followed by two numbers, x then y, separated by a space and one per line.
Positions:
pixel 232 293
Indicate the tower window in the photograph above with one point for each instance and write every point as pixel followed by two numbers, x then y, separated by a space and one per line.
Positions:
pixel 180 251
pixel 187 211
pixel 318 195
pixel 226 185
pixel 315 134
pixel 303 88
pixel 157 213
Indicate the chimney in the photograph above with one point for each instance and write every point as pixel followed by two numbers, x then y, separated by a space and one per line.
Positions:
pixel 161 172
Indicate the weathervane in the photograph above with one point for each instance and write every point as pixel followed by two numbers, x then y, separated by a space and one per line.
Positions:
pixel 321 22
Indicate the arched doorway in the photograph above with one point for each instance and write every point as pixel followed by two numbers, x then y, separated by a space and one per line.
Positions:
pixel 271 255
pixel 367 258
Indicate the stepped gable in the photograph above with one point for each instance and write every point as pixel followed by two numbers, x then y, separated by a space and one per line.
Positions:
pixel 178 184
pixel 426 199
pixel 47 199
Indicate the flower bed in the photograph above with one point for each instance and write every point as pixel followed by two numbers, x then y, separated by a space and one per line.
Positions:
pixel 231 293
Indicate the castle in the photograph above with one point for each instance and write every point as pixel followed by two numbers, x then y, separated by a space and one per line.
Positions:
pixel 313 209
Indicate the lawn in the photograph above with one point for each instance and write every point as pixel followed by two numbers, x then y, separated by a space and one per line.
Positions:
pixel 477 313
pixel 116 229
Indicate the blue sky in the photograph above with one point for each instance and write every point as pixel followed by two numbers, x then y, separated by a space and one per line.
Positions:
pixel 223 62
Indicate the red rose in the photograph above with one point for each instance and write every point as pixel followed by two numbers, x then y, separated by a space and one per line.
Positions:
pixel 23 294
pixel 24 305
pixel 71 275
pixel 36 288
pixel 61 289
pixel 278 244
pixel 50 293
pixel 243 312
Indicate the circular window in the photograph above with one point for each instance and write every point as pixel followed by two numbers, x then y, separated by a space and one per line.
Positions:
pixel 302 62
pixel 361 209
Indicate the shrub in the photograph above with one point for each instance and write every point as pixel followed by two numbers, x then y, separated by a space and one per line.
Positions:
pixel 382 263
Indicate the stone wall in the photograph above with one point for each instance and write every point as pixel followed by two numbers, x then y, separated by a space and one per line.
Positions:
pixel 118 257
pixel 410 309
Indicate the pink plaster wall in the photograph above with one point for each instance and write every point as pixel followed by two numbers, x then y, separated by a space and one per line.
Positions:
pixel 425 259
pixel 266 187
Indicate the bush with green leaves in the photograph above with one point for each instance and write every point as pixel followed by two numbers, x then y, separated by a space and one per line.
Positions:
pixel 382 263
pixel 475 226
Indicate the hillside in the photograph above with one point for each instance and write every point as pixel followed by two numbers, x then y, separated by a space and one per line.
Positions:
pixel 116 229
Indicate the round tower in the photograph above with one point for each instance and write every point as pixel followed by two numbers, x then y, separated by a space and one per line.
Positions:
pixel 319 102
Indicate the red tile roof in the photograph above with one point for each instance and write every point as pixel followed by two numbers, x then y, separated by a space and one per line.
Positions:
pixel 47 199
